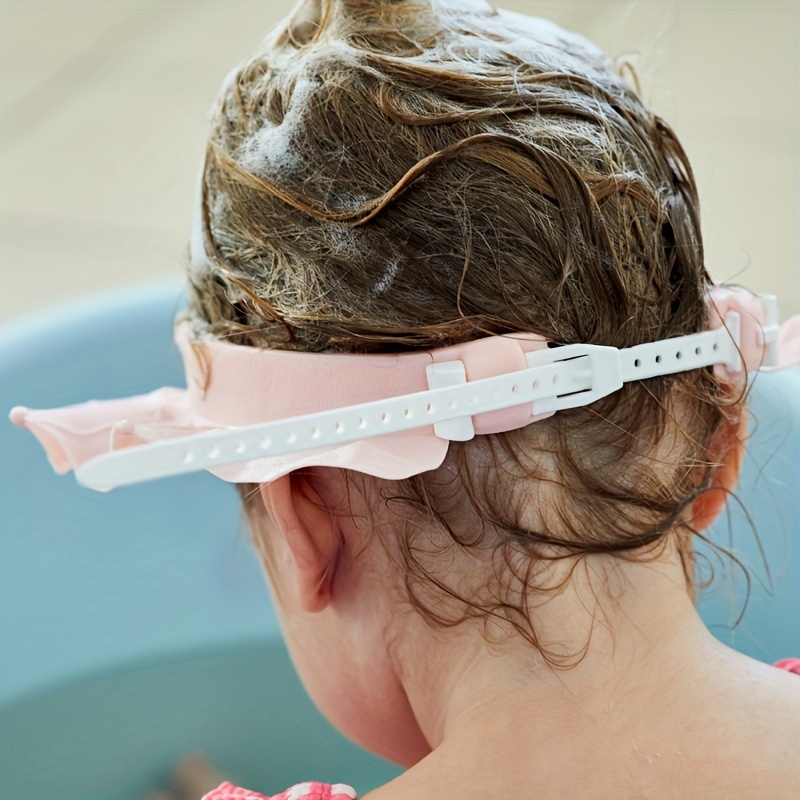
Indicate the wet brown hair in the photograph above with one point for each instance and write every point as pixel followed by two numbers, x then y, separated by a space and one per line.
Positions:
pixel 391 175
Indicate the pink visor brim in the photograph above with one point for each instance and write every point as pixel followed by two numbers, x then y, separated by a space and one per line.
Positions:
pixel 231 386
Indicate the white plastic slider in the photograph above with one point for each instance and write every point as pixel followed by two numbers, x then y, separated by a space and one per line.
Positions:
pixel 440 376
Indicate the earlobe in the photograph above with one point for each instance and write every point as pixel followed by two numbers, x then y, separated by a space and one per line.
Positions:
pixel 709 505
pixel 302 517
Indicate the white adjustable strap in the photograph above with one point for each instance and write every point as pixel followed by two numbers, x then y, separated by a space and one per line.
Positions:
pixel 556 378
pixel 720 346
pixel 609 368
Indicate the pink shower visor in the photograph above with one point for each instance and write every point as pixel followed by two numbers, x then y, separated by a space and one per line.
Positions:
pixel 253 415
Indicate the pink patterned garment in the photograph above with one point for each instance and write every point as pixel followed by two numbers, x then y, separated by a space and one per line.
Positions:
pixel 790 664
pixel 302 791
pixel 339 791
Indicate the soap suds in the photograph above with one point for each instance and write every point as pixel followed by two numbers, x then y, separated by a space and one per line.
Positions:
pixel 389 274
pixel 350 243
pixel 278 148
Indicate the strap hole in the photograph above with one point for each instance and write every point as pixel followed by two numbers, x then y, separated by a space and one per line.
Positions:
pixel 188 457
pixel 385 417
pixel 658 359
pixel 291 438
pixel 454 404
pixel 514 389
pixel 716 346
pixel 431 408
pixel 265 443
pixel 362 423
pixel 339 427
pixel 213 451
pixel 239 447
pixel 555 379
pixel 679 355
pixel 698 351
pixel 315 432
pixel 638 362
pixel 535 384
pixel 408 413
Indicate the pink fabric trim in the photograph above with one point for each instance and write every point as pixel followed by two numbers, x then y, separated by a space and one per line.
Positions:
pixel 790 664
pixel 302 791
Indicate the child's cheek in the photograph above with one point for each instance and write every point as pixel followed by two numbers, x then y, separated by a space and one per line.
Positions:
pixel 359 696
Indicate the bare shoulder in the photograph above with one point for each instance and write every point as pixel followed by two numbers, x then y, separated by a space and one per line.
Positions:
pixel 760 707
pixel 732 732
pixel 768 694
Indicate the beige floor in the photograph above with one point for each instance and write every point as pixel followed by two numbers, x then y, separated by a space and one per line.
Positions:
pixel 103 108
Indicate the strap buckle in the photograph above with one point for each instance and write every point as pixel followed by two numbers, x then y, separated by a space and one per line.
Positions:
pixel 601 368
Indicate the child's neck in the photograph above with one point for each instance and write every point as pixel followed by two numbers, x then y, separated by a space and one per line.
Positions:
pixel 642 633
pixel 656 707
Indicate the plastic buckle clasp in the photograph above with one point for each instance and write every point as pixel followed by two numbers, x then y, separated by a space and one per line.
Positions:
pixel 601 364
pixel 444 374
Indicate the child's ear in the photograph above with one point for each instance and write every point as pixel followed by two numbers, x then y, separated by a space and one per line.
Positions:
pixel 302 516
pixel 731 444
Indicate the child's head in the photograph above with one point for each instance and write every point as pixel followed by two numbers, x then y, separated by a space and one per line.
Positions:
pixel 389 175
